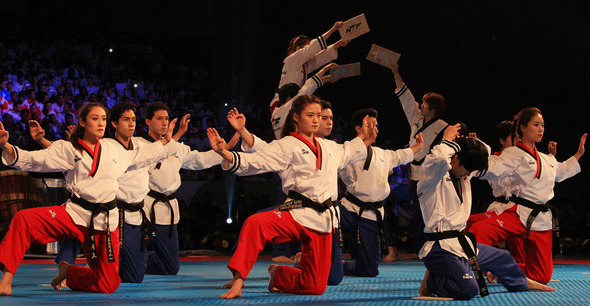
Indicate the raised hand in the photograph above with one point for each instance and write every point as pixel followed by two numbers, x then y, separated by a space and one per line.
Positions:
pixel 395 68
pixel 452 131
pixel 419 143
pixel 552 148
pixel 168 135
pixel 70 131
pixel 3 136
pixel 233 141
pixel 217 143
pixel 581 148
pixel 369 130
pixel 236 119
pixel 183 127
pixel 37 132
pixel 341 43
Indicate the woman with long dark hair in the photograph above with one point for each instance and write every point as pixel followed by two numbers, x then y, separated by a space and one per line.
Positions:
pixel 528 215
pixel 91 167
pixel 308 167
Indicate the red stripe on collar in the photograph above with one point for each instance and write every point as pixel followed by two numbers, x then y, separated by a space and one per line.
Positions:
pixel 95 155
pixel 315 148
pixel 534 154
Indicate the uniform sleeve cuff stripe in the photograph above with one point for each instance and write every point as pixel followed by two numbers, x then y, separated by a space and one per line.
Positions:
pixel 402 91
pixel 453 145
pixel 318 81
pixel 236 165
pixel 16 159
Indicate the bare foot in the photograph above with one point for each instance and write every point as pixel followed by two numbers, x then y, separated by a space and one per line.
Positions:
pixel 271 283
pixel 6 283
pixel 235 290
pixel 282 258
pixel 62 273
pixel 423 291
pixel 297 262
pixel 492 279
pixel 534 285
pixel 389 258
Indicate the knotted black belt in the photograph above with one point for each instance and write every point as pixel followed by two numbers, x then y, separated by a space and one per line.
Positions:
pixel 373 206
pixel 483 289
pixel 132 207
pixel 160 197
pixel 537 208
pixel 298 201
pixel 95 209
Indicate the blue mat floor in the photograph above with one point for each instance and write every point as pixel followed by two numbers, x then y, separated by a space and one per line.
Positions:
pixel 200 283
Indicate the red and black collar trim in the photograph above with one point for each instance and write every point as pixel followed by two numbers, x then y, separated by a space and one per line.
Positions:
pixel 532 153
pixel 315 148
pixel 95 155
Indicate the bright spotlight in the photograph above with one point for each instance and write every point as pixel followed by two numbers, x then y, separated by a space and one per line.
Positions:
pixel 229 221
pixel 111 50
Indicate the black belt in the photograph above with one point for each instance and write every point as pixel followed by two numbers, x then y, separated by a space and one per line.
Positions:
pixel 95 209
pixel 374 206
pixel 483 289
pixel 160 197
pixel 537 208
pixel 502 200
pixel 132 207
pixel 299 201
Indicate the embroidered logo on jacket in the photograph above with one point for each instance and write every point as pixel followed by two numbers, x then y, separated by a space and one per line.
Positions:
pixel 52 213
pixel 500 222
pixel 77 158
pixel 467 276
pixel 304 151
pixel 278 213
pixel 531 162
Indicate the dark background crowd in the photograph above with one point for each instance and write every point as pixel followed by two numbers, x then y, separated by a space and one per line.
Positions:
pixel 488 59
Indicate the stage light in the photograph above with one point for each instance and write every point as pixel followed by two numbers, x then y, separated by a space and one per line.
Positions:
pixel 224 104
pixel 229 221
pixel 111 50
pixel 135 85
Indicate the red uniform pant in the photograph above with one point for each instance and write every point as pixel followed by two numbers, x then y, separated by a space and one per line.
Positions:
pixel 48 224
pixel 516 244
pixel 537 259
pixel 278 227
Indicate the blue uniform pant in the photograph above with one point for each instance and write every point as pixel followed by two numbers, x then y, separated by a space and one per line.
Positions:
pixel 132 255
pixel 68 251
pixel 368 254
pixel 165 257
pixel 451 275
pixel 336 272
